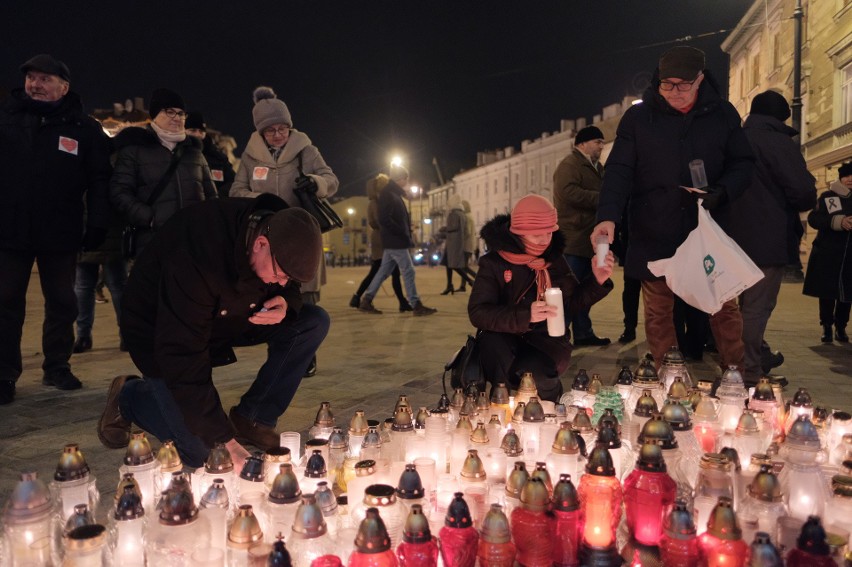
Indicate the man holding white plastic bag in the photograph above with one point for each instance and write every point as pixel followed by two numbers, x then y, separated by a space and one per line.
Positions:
pixel 682 118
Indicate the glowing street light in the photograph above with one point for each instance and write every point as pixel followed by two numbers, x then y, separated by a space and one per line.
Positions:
pixel 396 161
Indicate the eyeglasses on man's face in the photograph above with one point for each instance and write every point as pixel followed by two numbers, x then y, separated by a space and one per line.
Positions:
pixel 682 86
pixel 175 113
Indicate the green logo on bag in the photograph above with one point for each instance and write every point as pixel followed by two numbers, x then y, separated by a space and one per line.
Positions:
pixel 709 264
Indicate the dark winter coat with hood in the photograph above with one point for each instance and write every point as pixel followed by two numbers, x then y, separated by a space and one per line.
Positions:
pixel 52 157
pixel 189 298
pixel 829 273
pixel 503 292
pixel 140 162
pixel 650 161
pixel 764 220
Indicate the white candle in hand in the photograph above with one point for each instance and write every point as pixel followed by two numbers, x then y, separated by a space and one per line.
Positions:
pixel 601 250
pixel 555 325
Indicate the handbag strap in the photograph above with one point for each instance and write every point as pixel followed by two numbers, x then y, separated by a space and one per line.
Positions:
pixel 299 166
pixel 164 180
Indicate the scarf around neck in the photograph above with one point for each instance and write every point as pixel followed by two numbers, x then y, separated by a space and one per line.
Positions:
pixel 536 263
pixel 168 139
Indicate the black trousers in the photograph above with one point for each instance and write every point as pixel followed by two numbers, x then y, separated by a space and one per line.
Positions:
pixel 56 271
pixel 833 312
pixel 630 302
pixel 504 357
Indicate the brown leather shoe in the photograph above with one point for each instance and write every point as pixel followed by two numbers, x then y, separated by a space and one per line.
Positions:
pixel 261 436
pixel 113 429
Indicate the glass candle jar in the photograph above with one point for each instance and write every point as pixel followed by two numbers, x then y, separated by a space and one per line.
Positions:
pixel 649 494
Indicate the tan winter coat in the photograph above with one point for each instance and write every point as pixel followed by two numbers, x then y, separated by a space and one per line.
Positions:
pixel 258 174
pixel 576 189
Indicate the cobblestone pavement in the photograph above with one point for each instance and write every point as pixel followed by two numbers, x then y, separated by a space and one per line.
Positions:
pixel 366 361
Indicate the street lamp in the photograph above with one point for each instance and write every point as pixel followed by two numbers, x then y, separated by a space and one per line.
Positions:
pixel 350 211
pixel 418 190
pixel 396 161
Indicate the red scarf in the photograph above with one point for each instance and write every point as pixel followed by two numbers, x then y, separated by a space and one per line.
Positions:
pixel 534 262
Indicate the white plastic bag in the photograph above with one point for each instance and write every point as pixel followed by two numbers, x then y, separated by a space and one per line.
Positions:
pixel 709 268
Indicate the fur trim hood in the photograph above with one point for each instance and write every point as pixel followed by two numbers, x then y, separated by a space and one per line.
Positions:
pixel 496 235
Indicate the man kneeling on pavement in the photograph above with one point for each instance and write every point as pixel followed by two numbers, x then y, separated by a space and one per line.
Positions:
pixel 220 274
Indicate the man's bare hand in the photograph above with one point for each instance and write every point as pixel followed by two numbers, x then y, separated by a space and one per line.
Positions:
pixel 273 312
pixel 604 228
pixel 541 311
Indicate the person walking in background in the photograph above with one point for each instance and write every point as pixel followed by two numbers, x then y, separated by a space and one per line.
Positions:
pixel 374 188
pixel 682 118
pixel 576 189
pixel 829 273
pixel 469 242
pixel 221 170
pixel 158 154
pixel 277 158
pixel 761 220
pixel 454 231
pixel 395 228
pixel 525 257
pixel 53 157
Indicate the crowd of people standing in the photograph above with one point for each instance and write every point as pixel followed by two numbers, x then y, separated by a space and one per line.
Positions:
pixel 135 208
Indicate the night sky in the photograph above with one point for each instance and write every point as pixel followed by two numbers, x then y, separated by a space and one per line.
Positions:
pixel 425 79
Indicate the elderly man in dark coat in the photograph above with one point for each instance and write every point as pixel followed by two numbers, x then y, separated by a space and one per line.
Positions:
pixel 53 156
pixel 219 274
pixel 576 189
pixel 764 220
pixel 682 118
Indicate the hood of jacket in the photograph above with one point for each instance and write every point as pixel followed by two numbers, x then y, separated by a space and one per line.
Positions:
pixel 145 136
pixel 258 149
pixel 497 237
pixel 709 95
pixel 770 123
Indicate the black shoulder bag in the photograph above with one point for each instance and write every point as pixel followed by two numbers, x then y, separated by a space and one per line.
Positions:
pixel 129 236
pixel 464 367
pixel 318 207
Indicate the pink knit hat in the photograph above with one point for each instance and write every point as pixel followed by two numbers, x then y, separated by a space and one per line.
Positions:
pixel 533 215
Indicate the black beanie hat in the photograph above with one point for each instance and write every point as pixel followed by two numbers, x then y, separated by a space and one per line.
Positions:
pixel 195 120
pixel 771 103
pixel 46 63
pixel 588 133
pixel 164 98
pixel 681 62
pixel 296 243
pixel 845 170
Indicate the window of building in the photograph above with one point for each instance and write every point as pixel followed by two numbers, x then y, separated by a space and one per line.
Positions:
pixel 743 89
pixel 517 181
pixel 846 94
pixel 755 71
pixel 363 222
pixel 506 180
pixel 546 171
pixel 532 177
pixel 776 51
pixel 495 186
pixel 363 238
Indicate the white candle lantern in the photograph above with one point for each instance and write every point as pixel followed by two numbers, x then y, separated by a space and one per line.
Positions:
pixel 140 461
pixel 127 530
pixel 27 523
pixel 73 483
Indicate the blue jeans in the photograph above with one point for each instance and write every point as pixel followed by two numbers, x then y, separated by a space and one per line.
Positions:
pixel 581 324
pixel 149 404
pixel 390 258
pixel 115 275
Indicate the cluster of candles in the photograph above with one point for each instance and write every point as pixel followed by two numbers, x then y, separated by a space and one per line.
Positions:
pixel 650 471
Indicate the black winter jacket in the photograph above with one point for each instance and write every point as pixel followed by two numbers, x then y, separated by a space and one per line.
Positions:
pixel 189 296
pixel 394 220
pixel 503 292
pixel 140 163
pixel 50 159
pixel 764 220
pixel 829 274
pixel 221 170
pixel 650 159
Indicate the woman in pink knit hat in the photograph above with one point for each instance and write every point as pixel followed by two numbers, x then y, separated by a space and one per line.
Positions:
pixel 525 258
